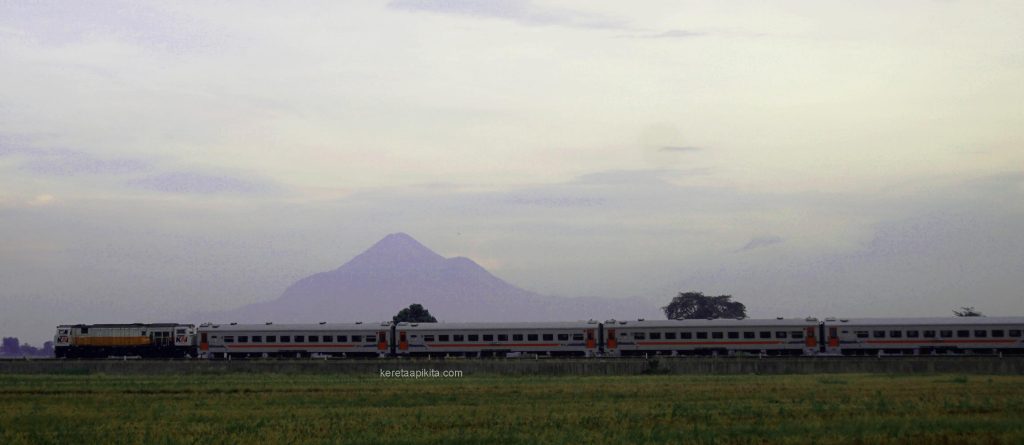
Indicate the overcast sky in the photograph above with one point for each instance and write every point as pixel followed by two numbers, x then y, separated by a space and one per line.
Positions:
pixel 809 158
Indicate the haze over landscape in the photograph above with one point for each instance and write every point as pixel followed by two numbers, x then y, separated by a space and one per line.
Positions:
pixel 529 159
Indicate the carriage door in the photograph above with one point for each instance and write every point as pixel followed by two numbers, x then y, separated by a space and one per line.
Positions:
pixel 591 341
pixel 810 341
pixel 203 345
pixel 833 339
pixel 382 341
pixel 403 343
pixel 612 341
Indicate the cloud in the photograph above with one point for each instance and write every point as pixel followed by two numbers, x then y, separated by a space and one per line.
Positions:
pixel 675 34
pixel 519 11
pixel 41 200
pixel 66 162
pixel 761 241
pixel 185 182
pixel 675 149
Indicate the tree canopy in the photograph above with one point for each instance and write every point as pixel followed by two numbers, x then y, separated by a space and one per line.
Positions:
pixel 697 305
pixel 415 313
pixel 968 311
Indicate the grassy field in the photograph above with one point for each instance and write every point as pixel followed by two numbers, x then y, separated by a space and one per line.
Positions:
pixel 275 408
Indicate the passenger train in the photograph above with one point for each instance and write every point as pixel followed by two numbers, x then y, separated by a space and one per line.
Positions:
pixel 611 338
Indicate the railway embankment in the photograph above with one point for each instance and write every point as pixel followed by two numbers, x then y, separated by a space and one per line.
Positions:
pixel 541 366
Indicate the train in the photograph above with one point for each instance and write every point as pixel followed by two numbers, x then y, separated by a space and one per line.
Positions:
pixel 590 338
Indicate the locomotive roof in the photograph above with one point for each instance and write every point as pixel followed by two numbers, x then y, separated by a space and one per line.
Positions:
pixel 263 327
pixel 705 323
pixel 927 321
pixel 499 325
pixel 123 325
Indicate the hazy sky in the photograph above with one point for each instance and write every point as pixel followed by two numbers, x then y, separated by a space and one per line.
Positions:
pixel 810 158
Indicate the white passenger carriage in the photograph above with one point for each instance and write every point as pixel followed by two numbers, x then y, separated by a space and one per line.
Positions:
pixel 870 336
pixel 711 337
pixel 497 339
pixel 294 340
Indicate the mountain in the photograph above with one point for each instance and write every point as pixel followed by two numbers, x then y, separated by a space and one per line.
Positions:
pixel 398 271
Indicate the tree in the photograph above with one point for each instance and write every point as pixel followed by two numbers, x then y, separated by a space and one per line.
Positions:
pixel 415 313
pixel 697 305
pixel 968 311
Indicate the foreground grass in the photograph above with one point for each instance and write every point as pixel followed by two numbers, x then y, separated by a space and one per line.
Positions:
pixel 274 408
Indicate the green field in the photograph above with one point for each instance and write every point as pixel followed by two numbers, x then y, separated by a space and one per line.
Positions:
pixel 276 408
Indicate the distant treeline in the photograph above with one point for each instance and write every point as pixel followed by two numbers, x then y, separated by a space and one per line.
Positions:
pixel 14 348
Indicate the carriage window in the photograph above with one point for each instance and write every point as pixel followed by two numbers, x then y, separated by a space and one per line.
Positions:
pixel 945 333
pixel 963 333
pixel 717 335
pixel 702 335
pixel 861 334
pixel 243 339
pixel 343 338
pixel 356 339
pixel 548 337
pixel 929 334
pixel 639 336
pixel 563 337
pixel 764 334
pixel 328 338
pixel 780 334
pixel 229 339
pixel 442 338
pixel 531 337
pixel 685 335
pixel 271 339
pixel 314 339
pixel 1015 332
pixel 896 334
pixel 878 334
pixel 458 337
pixel 734 335
pixel 981 333
pixel 655 336
pixel 488 337
pixel 474 337
pixel 257 339
pixel 577 337
pixel 998 333
pixel 517 337
pixel 913 334
pixel 428 337
pixel 670 336
pixel 748 335
pixel 797 334
pixel 502 337
pixel 300 339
